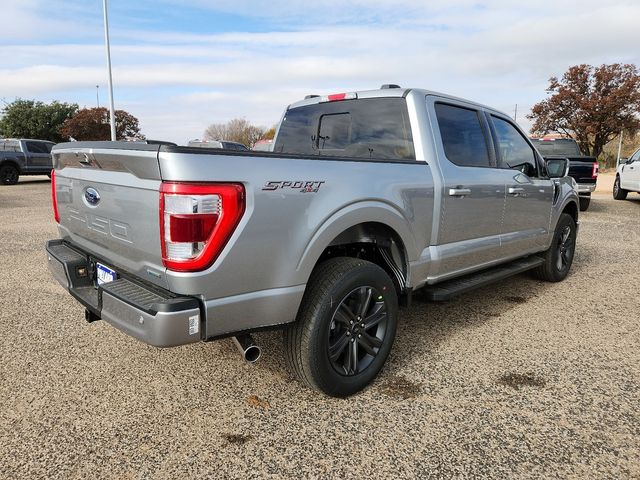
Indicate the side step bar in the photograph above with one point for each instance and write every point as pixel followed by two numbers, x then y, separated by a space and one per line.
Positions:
pixel 451 288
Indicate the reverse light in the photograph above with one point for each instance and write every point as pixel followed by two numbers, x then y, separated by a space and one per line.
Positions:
pixel 595 170
pixel 196 221
pixel 54 198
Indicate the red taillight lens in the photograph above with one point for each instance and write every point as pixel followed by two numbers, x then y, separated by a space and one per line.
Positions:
pixel 54 198
pixel 191 228
pixel 196 221
pixel 595 170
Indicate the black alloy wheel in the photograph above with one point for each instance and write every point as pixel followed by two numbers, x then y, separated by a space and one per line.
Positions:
pixel 566 245
pixel 9 175
pixel 558 258
pixel 345 326
pixel 357 330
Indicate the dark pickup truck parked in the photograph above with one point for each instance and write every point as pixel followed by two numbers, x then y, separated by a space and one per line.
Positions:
pixel 582 168
pixel 24 157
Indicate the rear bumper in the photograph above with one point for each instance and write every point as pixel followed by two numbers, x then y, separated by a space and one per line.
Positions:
pixel 586 187
pixel 148 313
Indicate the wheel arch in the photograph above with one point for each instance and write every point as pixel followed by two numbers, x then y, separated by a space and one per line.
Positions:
pixel 13 162
pixel 572 209
pixel 363 231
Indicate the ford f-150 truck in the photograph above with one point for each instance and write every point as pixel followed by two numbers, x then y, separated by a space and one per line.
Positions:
pixel 23 157
pixel 627 176
pixel 582 168
pixel 367 197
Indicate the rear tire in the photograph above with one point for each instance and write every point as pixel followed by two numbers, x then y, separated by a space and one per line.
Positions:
pixel 559 257
pixel 618 192
pixel 9 175
pixel 345 326
pixel 584 203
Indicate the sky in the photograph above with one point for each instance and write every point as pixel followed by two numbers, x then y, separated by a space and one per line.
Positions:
pixel 181 65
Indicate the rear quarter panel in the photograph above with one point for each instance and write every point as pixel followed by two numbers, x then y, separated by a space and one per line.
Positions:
pixel 285 229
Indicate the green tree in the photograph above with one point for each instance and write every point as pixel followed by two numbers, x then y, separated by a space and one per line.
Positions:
pixel 34 119
pixel 592 104
pixel 236 130
pixel 93 124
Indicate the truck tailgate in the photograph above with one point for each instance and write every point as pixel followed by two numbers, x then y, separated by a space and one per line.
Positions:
pixel 581 169
pixel 107 197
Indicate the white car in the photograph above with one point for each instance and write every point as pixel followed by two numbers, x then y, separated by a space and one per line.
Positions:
pixel 627 177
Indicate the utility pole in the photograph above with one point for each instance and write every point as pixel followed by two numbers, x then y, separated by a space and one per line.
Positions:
pixel 112 114
pixel 98 95
pixel 619 149
pixel 515 114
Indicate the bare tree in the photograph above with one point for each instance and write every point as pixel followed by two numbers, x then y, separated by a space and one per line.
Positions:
pixel 237 130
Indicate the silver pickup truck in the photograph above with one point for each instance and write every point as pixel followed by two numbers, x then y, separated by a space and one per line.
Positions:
pixel 366 197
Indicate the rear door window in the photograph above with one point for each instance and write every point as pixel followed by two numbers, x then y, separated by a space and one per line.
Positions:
pixel 463 137
pixel 372 128
pixel 38 147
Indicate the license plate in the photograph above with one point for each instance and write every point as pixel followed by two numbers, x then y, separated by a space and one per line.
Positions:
pixel 104 274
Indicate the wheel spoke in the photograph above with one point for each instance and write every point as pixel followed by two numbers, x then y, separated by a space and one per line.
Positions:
pixel 379 314
pixel 559 262
pixel 367 347
pixel 351 359
pixel 365 298
pixel 344 309
pixel 343 315
pixel 371 340
pixel 337 348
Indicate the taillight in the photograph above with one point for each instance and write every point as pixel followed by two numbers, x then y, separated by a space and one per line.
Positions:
pixel 594 170
pixel 54 198
pixel 196 221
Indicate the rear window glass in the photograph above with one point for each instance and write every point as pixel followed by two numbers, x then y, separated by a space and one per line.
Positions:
pixel 376 128
pixel 9 146
pixel 556 147
pixel 463 139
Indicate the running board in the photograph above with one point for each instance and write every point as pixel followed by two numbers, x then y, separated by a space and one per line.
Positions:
pixel 451 288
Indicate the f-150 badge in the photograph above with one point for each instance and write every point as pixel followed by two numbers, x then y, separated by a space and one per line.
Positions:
pixel 299 185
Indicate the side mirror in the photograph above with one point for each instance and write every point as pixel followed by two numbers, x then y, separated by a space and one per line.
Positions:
pixel 623 160
pixel 557 167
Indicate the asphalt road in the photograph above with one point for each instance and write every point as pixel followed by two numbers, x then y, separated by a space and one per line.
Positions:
pixel 518 380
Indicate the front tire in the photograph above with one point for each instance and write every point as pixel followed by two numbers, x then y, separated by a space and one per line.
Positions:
pixel 345 327
pixel 619 193
pixel 584 203
pixel 559 257
pixel 9 175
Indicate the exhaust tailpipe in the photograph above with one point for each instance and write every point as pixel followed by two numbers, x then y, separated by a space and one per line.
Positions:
pixel 248 348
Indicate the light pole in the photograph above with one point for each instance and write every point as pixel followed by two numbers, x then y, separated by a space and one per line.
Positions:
pixel 112 116
pixel 98 95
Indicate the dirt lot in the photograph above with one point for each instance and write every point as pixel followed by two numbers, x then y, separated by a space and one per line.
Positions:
pixel 522 379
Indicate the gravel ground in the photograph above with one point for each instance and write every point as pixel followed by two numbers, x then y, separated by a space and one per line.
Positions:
pixel 518 380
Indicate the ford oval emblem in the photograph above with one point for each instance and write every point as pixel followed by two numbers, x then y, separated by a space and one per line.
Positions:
pixel 92 196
